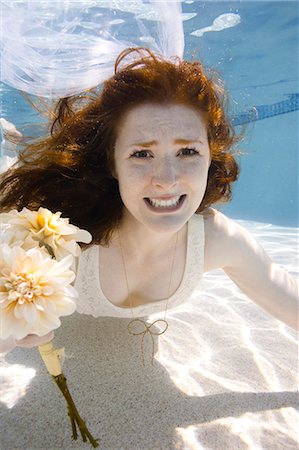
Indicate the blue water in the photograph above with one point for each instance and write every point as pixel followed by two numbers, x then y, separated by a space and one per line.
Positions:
pixel 258 61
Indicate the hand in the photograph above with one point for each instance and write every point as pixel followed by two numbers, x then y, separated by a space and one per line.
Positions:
pixel 32 340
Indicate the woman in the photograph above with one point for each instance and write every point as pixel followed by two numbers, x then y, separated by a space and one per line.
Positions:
pixel 139 166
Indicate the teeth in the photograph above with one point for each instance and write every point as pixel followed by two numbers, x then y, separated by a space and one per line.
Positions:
pixel 164 203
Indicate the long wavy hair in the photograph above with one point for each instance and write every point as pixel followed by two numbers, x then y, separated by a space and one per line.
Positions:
pixel 70 170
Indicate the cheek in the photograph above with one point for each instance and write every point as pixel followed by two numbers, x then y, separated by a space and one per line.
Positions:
pixel 197 172
pixel 132 175
pixel 131 183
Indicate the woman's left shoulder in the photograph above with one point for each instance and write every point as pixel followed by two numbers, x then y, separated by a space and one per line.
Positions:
pixel 218 225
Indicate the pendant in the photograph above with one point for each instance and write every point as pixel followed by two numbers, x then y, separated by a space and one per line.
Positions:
pixel 138 327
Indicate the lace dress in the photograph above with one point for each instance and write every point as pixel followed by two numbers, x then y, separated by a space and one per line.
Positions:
pixel 92 300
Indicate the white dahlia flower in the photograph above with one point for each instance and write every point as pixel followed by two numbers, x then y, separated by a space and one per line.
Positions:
pixel 44 227
pixel 35 290
pixel 12 236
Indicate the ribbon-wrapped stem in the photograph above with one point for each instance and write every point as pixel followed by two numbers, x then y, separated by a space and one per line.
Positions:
pixel 73 414
pixel 51 358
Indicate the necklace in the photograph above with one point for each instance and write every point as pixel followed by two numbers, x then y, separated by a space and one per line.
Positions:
pixel 138 327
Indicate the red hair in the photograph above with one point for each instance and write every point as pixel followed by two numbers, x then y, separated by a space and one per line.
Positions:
pixel 70 170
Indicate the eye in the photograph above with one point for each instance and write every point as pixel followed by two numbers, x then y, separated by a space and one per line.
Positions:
pixel 186 151
pixel 141 154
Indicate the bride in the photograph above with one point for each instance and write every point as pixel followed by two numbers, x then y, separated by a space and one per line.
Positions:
pixel 139 165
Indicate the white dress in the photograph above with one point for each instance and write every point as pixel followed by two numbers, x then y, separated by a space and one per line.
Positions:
pixel 92 300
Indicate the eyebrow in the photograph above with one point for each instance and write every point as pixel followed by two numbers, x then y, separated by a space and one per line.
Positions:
pixel 176 141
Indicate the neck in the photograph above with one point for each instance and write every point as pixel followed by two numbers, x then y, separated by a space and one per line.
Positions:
pixel 142 240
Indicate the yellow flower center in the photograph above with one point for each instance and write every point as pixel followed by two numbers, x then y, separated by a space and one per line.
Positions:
pixel 22 287
pixel 47 222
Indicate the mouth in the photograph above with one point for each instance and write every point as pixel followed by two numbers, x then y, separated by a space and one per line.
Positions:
pixel 165 204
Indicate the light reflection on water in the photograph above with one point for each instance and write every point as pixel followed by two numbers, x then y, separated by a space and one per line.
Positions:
pixel 222 342
pixel 14 380
pixel 219 343
pixel 268 430
pixel 232 370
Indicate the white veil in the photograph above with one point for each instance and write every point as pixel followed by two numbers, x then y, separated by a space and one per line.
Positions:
pixel 59 48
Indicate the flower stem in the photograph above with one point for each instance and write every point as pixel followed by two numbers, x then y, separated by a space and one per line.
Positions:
pixel 74 416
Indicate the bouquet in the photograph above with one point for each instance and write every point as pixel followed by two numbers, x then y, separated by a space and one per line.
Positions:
pixel 37 255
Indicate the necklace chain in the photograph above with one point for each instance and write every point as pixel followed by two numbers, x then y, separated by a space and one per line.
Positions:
pixel 147 328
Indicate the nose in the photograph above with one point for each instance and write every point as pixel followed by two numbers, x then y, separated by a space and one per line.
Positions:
pixel 166 174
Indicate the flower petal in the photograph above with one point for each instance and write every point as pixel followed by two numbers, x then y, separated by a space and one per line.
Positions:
pixel 29 239
pixel 29 312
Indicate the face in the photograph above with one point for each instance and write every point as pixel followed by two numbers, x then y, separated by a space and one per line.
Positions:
pixel 162 160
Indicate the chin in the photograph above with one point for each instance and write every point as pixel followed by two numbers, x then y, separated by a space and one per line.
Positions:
pixel 166 225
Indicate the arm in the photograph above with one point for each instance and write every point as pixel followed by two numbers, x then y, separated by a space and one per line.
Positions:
pixel 235 250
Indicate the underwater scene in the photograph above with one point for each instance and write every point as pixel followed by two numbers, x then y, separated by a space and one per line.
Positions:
pixel 226 373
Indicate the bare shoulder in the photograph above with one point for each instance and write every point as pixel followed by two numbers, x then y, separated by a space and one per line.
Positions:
pixel 215 231
pixel 225 240
pixel 217 224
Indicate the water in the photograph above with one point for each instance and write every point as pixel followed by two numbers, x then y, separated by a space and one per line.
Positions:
pixel 226 371
pixel 257 57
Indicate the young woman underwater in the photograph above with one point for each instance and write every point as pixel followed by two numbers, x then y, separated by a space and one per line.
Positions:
pixel 139 165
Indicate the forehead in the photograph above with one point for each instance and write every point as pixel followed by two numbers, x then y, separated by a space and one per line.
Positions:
pixel 161 120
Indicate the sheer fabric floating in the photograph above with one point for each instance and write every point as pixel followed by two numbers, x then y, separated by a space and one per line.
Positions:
pixel 59 48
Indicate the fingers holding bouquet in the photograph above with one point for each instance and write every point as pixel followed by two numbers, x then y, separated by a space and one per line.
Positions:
pixel 32 340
